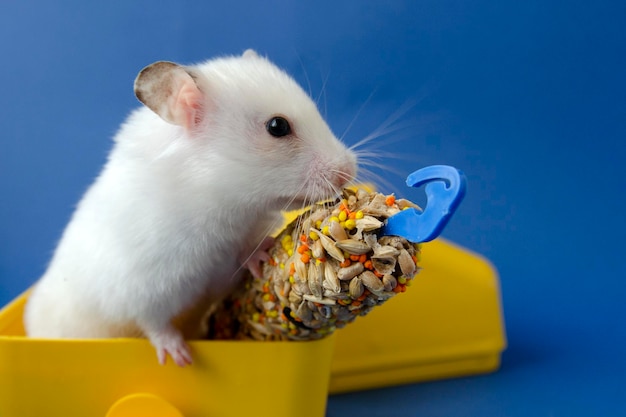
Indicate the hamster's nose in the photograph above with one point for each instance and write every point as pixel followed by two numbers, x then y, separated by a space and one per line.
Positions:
pixel 345 173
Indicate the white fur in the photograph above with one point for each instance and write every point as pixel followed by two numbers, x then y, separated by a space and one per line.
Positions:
pixel 164 228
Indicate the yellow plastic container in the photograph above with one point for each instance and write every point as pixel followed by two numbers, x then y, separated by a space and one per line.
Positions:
pixel 114 377
pixel 449 323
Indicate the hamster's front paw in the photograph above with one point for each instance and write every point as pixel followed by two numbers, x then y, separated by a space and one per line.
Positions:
pixel 169 341
pixel 253 263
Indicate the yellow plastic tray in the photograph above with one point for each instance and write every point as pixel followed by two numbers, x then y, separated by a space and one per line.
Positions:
pixel 103 377
pixel 449 323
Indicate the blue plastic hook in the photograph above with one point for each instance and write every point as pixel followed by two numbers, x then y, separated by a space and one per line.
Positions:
pixel 445 188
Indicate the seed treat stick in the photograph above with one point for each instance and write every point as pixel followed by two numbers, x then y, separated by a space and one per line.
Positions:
pixel 337 261
pixel 327 267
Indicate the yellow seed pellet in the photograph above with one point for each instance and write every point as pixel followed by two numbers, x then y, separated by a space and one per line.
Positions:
pixel 290 252
pixel 402 280
pixel 343 216
pixel 359 214
pixel 256 317
pixel 272 314
pixel 314 236
pixel 334 219
pixel 350 224
pixel 287 245
pixel 292 280
pixel 325 231
pixel 318 224
pixel 282 265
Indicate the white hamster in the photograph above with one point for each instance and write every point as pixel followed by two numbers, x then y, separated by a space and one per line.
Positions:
pixel 191 188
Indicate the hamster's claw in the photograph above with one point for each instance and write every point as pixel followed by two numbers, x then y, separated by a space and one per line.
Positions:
pixel 170 342
pixel 260 255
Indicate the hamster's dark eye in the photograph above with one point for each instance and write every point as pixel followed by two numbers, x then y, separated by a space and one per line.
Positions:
pixel 278 127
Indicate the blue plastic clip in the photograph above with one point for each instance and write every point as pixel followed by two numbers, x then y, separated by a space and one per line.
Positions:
pixel 445 188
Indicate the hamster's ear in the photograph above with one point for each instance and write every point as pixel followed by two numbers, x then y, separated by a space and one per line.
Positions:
pixel 250 53
pixel 171 92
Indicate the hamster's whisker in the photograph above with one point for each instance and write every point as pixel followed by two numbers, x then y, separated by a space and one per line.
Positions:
pixel 389 126
pixel 374 154
pixel 306 74
pixel 304 204
pixel 356 116
pixel 376 162
pixel 323 94
pixel 335 189
pixel 367 175
pixel 386 134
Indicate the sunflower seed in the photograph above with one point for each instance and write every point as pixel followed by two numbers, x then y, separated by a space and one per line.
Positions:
pixel 368 223
pixel 329 245
pixel 371 282
pixel 315 279
pixel 350 272
pixel 330 278
pixel 385 252
pixel 356 288
pixel 390 282
pixel 317 250
pixel 303 312
pixel 407 266
pixel 336 231
pixel 300 268
pixel 354 247
pixel 326 301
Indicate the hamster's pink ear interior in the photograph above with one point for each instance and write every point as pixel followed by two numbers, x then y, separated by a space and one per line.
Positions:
pixel 171 92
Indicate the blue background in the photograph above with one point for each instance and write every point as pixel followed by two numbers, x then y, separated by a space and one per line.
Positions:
pixel 528 98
